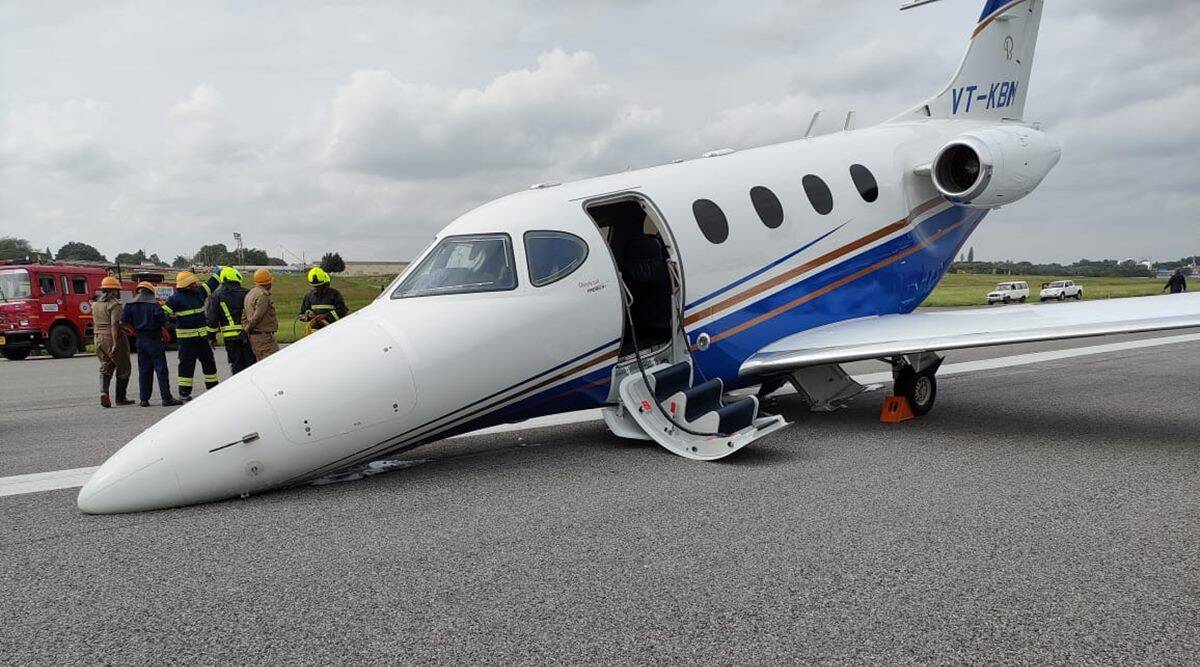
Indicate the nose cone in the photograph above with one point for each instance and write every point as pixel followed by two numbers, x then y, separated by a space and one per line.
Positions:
pixel 312 406
pixel 130 487
pixel 172 463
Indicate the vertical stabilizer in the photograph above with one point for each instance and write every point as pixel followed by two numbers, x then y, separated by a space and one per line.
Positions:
pixel 993 79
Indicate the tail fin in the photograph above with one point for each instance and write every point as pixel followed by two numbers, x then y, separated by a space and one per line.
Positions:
pixel 993 78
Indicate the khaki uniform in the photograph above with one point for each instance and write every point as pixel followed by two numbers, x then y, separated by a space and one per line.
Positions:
pixel 260 322
pixel 106 321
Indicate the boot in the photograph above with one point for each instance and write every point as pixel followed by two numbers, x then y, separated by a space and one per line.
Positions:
pixel 122 388
pixel 171 400
pixel 105 381
pixel 144 404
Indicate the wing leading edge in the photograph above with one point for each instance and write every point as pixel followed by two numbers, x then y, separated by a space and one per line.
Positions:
pixel 933 331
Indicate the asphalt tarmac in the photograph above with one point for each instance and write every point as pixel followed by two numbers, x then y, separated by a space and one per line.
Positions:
pixel 1042 513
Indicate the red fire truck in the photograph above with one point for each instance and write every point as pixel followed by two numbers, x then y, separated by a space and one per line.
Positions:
pixel 50 305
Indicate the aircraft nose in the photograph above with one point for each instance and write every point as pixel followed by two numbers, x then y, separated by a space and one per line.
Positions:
pixel 130 486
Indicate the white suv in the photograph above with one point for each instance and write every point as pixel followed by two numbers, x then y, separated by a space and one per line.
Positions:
pixel 1009 292
pixel 1061 289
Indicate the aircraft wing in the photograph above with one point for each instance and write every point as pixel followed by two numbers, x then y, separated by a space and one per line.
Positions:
pixel 938 330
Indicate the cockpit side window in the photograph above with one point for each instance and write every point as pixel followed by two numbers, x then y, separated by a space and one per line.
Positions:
pixel 463 265
pixel 553 256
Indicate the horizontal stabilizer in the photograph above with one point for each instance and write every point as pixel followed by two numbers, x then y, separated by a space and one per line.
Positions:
pixel 939 330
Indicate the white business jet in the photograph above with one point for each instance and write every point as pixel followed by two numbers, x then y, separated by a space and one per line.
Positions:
pixel 652 294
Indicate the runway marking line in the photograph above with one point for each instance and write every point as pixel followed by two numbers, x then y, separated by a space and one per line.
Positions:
pixel 75 477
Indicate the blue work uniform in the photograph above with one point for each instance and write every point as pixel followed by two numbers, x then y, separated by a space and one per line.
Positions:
pixel 186 307
pixel 147 318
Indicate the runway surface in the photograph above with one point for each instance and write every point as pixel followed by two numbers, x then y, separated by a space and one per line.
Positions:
pixel 1043 512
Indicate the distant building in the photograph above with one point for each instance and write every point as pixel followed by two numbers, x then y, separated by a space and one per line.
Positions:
pixel 374 268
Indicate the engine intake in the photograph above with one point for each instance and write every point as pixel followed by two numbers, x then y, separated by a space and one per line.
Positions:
pixel 994 166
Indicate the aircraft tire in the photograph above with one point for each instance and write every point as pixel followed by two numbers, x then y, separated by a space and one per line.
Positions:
pixel 919 388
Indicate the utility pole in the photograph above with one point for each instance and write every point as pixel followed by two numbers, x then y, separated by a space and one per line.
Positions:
pixel 241 249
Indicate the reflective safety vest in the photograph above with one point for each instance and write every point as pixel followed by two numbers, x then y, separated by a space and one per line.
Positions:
pixel 187 307
pixel 327 302
pixel 225 311
pixel 230 328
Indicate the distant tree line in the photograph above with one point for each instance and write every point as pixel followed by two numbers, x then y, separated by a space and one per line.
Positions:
pixel 216 254
pixel 1104 268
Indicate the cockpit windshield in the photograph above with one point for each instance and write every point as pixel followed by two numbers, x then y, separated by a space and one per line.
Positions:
pixel 14 284
pixel 462 265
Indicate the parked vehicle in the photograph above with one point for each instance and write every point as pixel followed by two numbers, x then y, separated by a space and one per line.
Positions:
pixel 50 305
pixel 1061 290
pixel 1017 290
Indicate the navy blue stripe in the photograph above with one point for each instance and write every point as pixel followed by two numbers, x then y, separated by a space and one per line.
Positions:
pixel 766 268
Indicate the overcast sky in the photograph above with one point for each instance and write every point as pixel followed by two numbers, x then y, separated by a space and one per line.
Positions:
pixel 366 127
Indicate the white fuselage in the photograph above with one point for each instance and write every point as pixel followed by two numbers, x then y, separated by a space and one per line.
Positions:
pixel 403 372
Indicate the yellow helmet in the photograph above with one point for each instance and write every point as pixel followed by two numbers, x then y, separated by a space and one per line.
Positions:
pixel 148 286
pixel 110 282
pixel 230 275
pixel 185 279
pixel 262 277
pixel 317 276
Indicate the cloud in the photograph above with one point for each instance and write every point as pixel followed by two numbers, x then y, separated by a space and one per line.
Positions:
pixel 70 140
pixel 560 112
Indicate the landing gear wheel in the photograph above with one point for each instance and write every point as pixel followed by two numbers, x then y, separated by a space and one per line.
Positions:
pixel 61 343
pixel 919 388
pixel 16 353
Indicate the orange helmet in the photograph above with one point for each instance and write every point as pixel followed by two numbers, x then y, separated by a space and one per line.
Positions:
pixel 263 277
pixel 110 283
pixel 185 279
pixel 148 286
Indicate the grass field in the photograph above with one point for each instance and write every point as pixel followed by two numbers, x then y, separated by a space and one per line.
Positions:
pixel 963 289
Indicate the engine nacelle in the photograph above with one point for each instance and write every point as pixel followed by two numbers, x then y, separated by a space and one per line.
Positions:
pixel 994 166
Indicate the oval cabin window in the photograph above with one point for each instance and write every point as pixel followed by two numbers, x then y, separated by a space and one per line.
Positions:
pixel 711 220
pixel 818 194
pixel 767 205
pixel 864 180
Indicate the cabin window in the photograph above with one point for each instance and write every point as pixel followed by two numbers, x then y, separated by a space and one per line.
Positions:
pixel 767 205
pixel 711 220
pixel 79 285
pixel 46 284
pixel 818 194
pixel 463 265
pixel 553 256
pixel 865 182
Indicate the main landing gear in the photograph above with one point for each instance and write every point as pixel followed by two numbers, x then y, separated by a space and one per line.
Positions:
pixel 914 377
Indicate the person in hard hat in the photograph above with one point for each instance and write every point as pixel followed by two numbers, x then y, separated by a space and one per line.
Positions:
pixel 323 305
pixel 258 316
pixel 224 315
pixel 186 308
pixel 112 347
pixel 149 321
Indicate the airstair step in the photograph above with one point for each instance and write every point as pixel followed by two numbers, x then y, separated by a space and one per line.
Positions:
pixel 737 415
pixel 702 398
pixel 671 380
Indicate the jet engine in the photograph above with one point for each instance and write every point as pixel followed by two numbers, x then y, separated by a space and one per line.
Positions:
pixel 994 166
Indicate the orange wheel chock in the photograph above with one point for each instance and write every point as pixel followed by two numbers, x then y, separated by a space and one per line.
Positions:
pixel 895 410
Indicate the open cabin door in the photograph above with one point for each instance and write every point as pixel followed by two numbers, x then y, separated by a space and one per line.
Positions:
pixel 646 260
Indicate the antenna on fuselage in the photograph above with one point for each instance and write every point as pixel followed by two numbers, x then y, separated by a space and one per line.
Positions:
pixel 849 121
pixel 812 123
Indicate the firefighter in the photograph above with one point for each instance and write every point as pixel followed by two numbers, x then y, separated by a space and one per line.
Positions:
pixel 224 313
pixel 186 307
pixel 149 321
pixel 112 347
pixel 258 316
pixel 324 305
